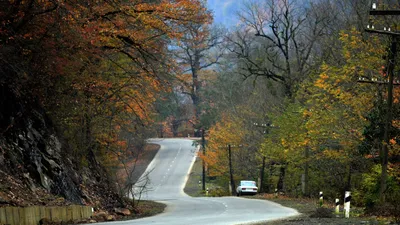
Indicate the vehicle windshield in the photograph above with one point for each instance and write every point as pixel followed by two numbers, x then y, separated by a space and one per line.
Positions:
pixel 247 183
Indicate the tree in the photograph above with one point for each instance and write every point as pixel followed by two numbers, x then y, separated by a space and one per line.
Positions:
pixel 223 148
pixel 338 105
pixel 95 66
pixel 286 35
pixel 199 49
pixel 324 128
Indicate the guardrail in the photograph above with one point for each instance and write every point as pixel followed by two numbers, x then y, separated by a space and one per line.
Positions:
pixel 33 214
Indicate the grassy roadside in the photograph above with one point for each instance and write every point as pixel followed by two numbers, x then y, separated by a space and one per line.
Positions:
pixel 146 209
pixel 311 213
pixel 193 187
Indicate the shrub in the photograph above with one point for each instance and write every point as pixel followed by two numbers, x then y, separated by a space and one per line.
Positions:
pixel 369 193
pixel 218 192
pixel 322 212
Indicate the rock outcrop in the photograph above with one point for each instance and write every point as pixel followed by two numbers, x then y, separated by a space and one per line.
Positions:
pixel 35 165
pixel 31 152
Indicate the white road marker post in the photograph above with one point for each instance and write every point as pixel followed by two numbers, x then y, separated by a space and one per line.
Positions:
pixel 207 192
pixel 337 206
pixel 347 198
pixel 321 198
pixel 276 192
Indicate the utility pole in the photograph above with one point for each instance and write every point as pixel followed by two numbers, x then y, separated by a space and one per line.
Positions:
pixel 231 180
pixel 231 170
pixel 390 70
pixel 306 176
pixel 388 124
pixel 262 172
pixel 203 146
pixel 266 127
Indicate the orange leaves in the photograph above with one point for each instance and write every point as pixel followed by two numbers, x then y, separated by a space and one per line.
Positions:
pixel 98 64
pixel 394 171
pixel 323 76
pixel 166 127
pixel 216 162
pixel 149 20
pixel 229 131
pixel 321 82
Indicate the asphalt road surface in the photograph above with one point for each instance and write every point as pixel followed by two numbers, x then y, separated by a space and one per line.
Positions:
pixel 168 173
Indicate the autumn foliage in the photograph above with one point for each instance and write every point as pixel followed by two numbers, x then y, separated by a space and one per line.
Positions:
pixel 96 66
pixel 328 136
pixel 226 132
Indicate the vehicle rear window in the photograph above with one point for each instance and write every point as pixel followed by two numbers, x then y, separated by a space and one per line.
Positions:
pixel 248 183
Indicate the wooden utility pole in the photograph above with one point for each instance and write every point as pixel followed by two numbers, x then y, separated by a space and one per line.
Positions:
pixel 262 172
pixel 265 127
pixel 390 71
pixel 203 146
pixel 231 171
pixel 388 124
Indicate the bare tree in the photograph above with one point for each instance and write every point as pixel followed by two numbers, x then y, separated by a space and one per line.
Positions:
pixel 133 179
pixel 198 50
pixel 136 190
pixel 281 40
pixel 283 33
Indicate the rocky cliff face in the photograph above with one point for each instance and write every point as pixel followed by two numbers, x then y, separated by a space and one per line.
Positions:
pixel 35 167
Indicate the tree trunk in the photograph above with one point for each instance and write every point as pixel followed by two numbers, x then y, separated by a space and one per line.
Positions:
pixel 196 86
pixel 306 177
pixel 348 181
pixel 282 172
pixel 262 175
pixel 203 145
pixel 231 171
pixel 175 126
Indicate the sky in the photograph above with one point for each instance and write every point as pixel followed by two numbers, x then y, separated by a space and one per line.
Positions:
pixel 224 11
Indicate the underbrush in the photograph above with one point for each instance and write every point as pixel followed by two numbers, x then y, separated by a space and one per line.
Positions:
pixel 146 208
pixel 313 213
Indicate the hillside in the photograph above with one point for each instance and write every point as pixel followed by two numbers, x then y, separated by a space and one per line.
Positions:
pixel 36 167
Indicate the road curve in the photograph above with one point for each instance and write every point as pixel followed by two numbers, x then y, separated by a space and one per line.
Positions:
pixel 168 173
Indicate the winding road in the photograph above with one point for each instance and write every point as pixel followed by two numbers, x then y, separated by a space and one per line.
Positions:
pixel 168 173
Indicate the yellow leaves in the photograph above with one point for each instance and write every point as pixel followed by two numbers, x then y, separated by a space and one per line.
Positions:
pixel 307 113
pixel 343 36
pixel 394 170
pixel 338 104
pixel 229 131
pixel 337 91
pixel 324 76
pixel 320 83
pixel 339 155
pixel 166 16
pixel 283 141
